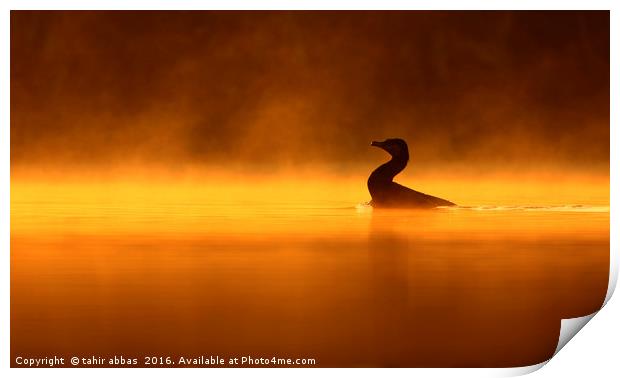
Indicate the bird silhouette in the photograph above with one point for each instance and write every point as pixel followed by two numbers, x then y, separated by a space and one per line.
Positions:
pixel 385 192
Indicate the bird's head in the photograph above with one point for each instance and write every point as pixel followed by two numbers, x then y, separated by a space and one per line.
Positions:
pixel 393 146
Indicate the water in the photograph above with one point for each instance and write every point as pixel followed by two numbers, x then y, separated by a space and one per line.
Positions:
pixel 331 280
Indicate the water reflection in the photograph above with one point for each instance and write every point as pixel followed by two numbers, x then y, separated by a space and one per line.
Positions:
pixel 349 288
pixel 477 300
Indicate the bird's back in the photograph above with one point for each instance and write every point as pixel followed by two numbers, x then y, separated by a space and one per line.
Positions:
pixel 396 195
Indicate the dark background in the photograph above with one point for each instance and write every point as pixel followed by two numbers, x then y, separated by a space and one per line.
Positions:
pixel 475 89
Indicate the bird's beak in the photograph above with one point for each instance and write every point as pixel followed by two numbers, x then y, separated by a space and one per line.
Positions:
pixel 374 143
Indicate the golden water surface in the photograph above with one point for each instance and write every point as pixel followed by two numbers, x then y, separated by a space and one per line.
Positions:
pixel 302 270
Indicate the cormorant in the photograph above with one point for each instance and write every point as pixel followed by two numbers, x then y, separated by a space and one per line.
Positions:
pixel 387 193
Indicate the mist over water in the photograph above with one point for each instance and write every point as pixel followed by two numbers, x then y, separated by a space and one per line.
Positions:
pixel 270 90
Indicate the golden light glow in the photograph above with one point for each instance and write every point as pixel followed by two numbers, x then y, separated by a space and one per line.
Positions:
pixel 190 205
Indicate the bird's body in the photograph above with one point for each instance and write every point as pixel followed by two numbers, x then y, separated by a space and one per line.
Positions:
pixel 386 193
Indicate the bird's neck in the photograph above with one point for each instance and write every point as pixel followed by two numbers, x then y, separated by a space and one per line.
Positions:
pixel 387 171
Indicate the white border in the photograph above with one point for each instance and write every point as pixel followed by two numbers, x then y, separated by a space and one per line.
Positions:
pixel 597 353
